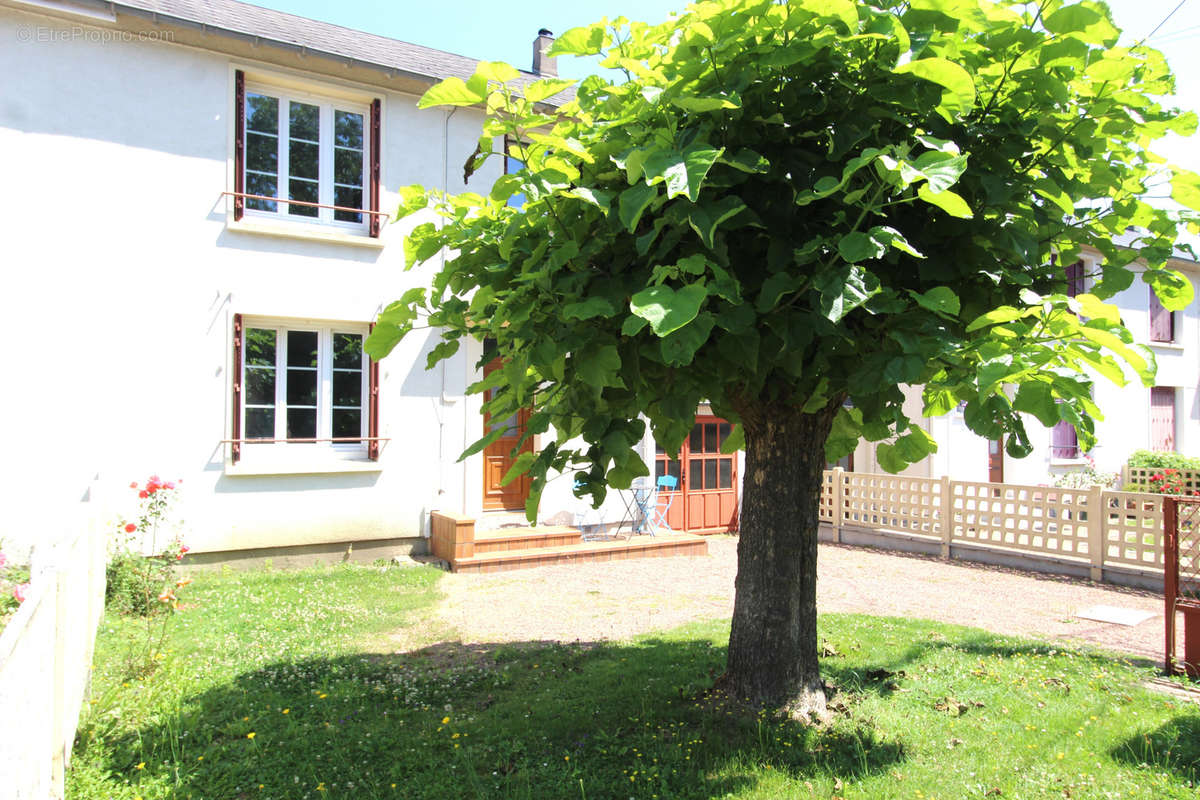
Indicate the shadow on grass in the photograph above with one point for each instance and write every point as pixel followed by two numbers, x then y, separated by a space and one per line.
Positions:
pixel 1173 746
pixel 532 719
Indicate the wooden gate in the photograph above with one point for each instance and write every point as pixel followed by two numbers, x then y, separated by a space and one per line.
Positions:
pixel 706 500
pixel 1181 581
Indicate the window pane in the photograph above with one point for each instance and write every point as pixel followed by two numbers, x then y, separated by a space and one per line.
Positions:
pixel 305 122
pixel 348 167
pixel 302 190
pixel 696 473
pixel 260 386
pixel 265 185
pixel 351 198
pixel 723 433
pixel 695 440
pixel 262 153
pixel 658 449
pixel 347 389
pixel 674 468
pixel 260 347
pixel 660 468
pixel 301 423
pixel 260 423
pixel 710 474
pixel 347 422
pixel 302 349
pixel 301 387
pixel 304 160
pixel 726 475
pixel 347 351
pixel 710 437
pixel 262 113
pixel 348 129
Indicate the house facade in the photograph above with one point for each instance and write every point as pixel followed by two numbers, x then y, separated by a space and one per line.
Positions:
pixel 199 233
pixel 1165 417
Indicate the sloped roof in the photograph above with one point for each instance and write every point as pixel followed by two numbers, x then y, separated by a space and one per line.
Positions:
pixel 318 37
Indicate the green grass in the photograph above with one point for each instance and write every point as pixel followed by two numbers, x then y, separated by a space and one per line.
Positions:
pixel 302 661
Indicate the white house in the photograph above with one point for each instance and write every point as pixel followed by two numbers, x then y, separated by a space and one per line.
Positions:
pixel 1165 417
pixel 196 238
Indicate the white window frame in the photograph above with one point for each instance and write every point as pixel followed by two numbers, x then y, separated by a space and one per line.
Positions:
pixel 327 105
pixel 349 451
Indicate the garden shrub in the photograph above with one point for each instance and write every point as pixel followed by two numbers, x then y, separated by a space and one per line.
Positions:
pixel 1161 460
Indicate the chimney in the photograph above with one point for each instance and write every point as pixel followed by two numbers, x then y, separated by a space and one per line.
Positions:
pixel 544 65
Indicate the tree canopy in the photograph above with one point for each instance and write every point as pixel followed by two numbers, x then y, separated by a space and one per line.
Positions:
pixel 791 209
pixel 807 201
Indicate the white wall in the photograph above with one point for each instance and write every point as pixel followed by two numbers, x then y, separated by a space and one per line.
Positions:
pixel 123 274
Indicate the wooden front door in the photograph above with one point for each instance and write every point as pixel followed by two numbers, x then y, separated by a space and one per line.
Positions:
pixel 706 501
pixel 996 460
pixel 499 456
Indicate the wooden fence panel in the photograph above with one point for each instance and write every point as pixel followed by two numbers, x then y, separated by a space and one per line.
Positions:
pixel 1035 519
pixel 1133 527
pixel 1138 477
pixel 895 502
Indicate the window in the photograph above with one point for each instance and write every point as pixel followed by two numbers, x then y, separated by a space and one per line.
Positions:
pixel 306 158
pixel 1064 442
pixel 1162 418
pixel 1162 322
pixel 307 386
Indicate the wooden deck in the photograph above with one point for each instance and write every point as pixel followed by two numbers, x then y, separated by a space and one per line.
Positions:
pixel 456 542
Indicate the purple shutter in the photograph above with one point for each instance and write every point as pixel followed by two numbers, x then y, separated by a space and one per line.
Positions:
pixel 239 144
pixel 1075 279
pixel 374 225
pixel 1162 418
pixel 239 336
pixel 1162 322
pixel 1064 443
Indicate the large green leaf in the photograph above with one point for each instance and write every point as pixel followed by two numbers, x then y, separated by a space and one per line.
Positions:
pixel 1035 397
pixel 947 201
pixel 666 309
pixel 959 96
pixel 679 347
pixel 599 366
pixel 632 204
pixel 683 172
pixel 453 92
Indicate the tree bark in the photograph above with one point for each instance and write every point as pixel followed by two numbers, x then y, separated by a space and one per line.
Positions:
pixel 772 659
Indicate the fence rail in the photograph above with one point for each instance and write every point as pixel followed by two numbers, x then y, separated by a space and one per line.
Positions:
pixel 45 665
pixel 1097 530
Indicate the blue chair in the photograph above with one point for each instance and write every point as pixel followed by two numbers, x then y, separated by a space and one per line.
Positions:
pixel 666 486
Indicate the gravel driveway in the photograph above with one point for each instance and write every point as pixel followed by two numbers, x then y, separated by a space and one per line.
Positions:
pixel 620 599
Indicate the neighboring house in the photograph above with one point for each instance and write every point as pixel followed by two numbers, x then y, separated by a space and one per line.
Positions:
pixel 186 322
pixel 1163 417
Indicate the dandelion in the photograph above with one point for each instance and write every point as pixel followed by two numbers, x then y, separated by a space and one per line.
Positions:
pixel 286 710
pixel 445 720
pixel 141 765
pixel 250 735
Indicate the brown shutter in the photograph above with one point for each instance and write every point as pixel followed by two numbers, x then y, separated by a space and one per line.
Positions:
pixel 373 405
pixel 239 335
pixel 374 225
pixel 1162 322
pixel 239 146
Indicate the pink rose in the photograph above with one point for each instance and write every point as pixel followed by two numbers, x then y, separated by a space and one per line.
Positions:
pixel 133 485
pixel 3 559
pixel 20 591
pixel 130 527
pixel 169 485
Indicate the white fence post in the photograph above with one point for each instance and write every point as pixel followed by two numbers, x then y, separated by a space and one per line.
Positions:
pixel 1097 522
pixel 837 509
pixel 946 515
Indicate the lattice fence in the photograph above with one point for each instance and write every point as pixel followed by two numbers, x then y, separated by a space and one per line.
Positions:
pixel 1188 539
pixel 911 505
pixel 1133 528
pixel 1138 478
pixel 1030 518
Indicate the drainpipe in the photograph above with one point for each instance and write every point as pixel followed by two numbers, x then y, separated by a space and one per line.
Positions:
pixel 443 399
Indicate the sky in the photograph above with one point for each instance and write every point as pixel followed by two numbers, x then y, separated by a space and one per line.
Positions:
pixel 505 32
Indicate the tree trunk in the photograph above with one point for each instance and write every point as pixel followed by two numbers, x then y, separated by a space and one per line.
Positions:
pixel 773 641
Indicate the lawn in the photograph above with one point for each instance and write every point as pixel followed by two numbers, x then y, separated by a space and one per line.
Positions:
pixel 285 685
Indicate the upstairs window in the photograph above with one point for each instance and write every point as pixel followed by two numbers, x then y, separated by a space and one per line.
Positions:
pixel 305 158
pixel 1162 419
pixel 1162 322
pixel 1076 279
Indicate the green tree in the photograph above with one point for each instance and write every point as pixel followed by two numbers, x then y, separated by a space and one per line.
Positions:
pixel 790 209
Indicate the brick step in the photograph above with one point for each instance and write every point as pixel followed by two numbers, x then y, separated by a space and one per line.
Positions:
pixel 674 544
pixel 506 540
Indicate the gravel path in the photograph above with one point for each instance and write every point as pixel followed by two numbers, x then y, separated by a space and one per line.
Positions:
pixel 620 599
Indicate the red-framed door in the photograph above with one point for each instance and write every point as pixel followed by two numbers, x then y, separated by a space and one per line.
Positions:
pixel 996 460
pixel 499 456
pixel 706 501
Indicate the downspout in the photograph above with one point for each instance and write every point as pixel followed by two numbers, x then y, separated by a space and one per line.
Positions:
pixel 444 399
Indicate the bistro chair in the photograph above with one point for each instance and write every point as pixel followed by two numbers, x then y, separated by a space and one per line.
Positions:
pixel 665 487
